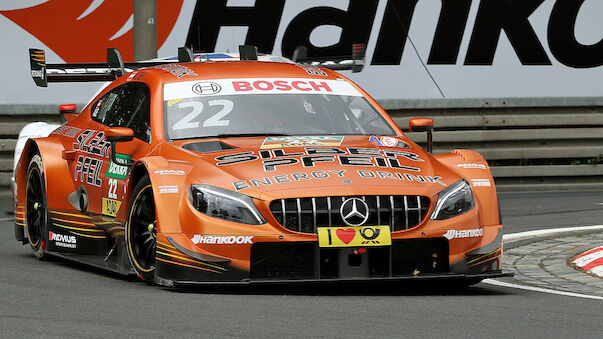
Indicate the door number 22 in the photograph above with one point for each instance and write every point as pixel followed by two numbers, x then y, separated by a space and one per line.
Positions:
pixel 112 189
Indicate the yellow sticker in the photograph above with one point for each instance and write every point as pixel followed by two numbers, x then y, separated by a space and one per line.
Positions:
pixel 111 207
pixel 354 236
pixel 172 102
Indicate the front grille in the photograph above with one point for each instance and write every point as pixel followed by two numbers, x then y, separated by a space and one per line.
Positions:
pixel 400 212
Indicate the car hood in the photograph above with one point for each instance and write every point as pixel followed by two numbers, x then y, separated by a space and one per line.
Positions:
pixel 272 167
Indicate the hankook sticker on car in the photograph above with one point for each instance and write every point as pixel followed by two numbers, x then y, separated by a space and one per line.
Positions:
pixel 460 234
pixel 222 240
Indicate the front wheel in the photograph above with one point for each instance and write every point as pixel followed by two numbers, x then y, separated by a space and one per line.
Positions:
pixel 36 217
pixel 140 230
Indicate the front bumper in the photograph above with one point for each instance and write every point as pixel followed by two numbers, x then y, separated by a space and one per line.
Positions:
pixel 217 251
pixel 305 261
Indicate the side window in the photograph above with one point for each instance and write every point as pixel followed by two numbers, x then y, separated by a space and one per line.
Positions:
pixel 126 106
pixel 102 106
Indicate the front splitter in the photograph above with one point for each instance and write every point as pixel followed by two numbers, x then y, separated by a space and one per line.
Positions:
pixel 426 277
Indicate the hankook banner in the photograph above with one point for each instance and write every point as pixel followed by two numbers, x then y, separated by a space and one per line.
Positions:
pixel 415 48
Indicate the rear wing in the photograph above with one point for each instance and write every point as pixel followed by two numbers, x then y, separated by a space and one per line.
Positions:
pixel 43 73
pixel 355 62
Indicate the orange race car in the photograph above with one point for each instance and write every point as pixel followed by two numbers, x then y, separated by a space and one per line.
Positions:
pixel 226 168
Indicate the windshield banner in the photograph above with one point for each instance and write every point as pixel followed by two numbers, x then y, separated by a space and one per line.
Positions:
pixel 192 89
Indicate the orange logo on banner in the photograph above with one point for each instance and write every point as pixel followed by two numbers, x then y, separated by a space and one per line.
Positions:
pixel 62 26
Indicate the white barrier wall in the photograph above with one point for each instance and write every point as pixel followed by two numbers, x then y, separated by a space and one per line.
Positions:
pixel 457 48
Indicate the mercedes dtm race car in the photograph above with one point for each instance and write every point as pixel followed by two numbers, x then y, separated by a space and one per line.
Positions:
pixel 233 169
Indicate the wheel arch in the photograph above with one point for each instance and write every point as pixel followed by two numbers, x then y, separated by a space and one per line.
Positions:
pixel 169 181
pixel 57 178
pixel 20 175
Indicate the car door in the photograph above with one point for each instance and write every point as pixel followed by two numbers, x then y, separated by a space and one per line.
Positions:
pixel 130 109
pixel 91 156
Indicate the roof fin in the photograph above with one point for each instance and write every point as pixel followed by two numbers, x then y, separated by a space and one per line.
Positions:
pixel 300 53
pixel 115 61
pixel 185 54
pixel 248 52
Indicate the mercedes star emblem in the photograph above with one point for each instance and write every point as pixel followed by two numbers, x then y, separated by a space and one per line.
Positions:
pixel 354 212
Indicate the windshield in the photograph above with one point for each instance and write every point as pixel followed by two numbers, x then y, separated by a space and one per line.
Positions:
pixel 247 107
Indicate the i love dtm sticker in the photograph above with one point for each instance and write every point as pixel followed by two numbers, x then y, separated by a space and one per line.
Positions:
pixel 354 236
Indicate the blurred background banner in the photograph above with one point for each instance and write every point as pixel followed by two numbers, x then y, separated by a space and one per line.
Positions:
pixel 416 49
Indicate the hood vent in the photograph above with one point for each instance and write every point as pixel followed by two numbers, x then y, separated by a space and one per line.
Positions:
pixel 207 146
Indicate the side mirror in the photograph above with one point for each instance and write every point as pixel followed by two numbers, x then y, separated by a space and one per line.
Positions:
pixel 423 125
pixel 119 134
pixel 67 112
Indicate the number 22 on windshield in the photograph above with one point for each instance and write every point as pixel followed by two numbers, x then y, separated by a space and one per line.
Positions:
pixel 215 120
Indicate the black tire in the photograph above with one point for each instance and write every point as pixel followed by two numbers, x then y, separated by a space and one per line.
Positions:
pixel 36 211
pixel 140 238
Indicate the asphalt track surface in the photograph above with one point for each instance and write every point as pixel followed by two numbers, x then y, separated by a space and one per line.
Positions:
pixel 61 299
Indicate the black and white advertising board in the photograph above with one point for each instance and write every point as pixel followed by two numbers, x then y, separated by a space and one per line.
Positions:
pixel 416 49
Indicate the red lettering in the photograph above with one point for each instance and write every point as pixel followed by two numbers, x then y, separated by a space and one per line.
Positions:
pixel 267 85
pixel 282 85
pixel 296 84
pixel 242 86
pixel 321 85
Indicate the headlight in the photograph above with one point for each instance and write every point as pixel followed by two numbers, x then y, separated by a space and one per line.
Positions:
pixel 224 204
pixel 454 200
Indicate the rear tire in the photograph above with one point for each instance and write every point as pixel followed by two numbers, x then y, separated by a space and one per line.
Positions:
pixel 36 211
pixel 140 230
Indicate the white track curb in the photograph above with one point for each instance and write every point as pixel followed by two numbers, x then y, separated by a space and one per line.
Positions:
pixel 542 233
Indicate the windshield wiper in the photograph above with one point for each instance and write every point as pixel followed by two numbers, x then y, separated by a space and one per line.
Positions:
pixel 242 135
